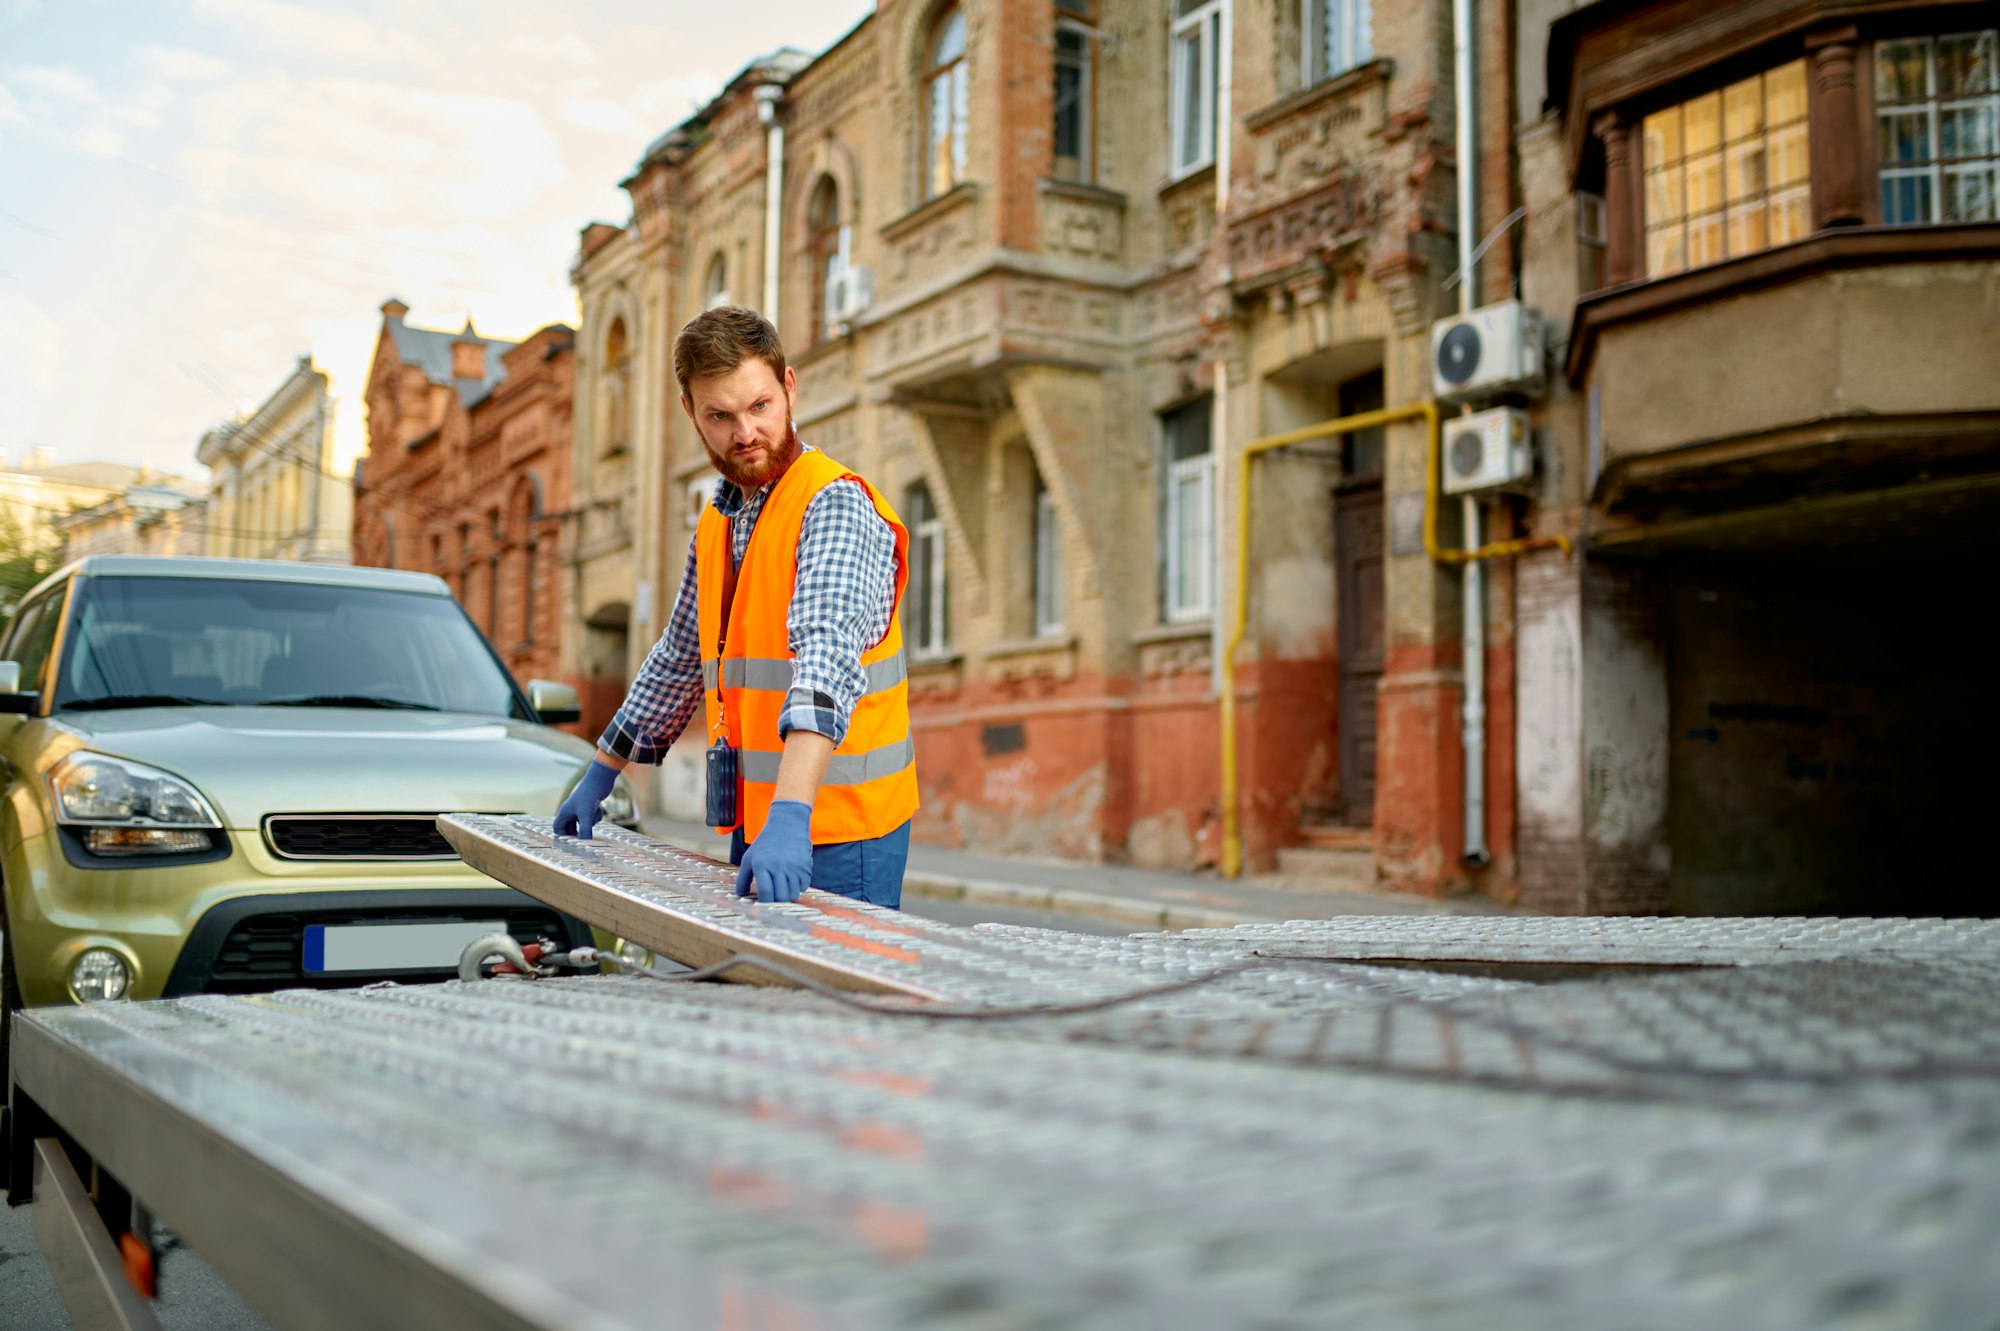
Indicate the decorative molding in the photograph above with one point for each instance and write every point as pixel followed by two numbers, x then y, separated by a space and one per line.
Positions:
pixel 1361 76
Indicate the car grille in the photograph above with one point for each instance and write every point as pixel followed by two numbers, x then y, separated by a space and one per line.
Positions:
pixel 357 837
pixel 264 951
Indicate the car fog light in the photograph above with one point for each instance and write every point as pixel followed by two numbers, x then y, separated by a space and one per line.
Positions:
pixel 632 954
pixel 98 975
pixel 144 840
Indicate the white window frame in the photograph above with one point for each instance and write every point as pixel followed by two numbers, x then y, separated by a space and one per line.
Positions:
pixel 928 567
pixel 1048 564
pixel 1339 36
pixel 1200 27
pixel 956 78
pixel 1187 508
pixel 1933 108
pixel 1086 171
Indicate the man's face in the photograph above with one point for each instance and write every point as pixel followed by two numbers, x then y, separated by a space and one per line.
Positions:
pixel 745 421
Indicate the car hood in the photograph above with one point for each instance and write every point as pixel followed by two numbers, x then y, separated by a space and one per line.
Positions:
pixel 252 761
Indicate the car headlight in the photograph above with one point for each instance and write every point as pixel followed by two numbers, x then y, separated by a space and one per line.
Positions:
pixel 127 808
pixel 99 975
pixel 619 806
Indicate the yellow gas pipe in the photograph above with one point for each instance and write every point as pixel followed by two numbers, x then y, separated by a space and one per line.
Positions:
pixel 1232 835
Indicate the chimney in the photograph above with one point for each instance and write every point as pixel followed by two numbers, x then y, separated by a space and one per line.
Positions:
pixel 41 457
pixel 393 310
pixel 468 358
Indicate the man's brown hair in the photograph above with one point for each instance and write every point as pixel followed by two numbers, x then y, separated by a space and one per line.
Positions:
pixel 717 341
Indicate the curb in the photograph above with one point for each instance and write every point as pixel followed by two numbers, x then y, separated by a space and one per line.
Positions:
pixel 1021 896
pixel 1070 901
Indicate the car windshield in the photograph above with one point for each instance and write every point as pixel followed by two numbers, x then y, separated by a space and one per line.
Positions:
pixel 162 642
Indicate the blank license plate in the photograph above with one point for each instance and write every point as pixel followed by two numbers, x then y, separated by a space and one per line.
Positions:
pixel 391 947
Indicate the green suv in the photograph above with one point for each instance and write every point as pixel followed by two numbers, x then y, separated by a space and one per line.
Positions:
pixel 221 776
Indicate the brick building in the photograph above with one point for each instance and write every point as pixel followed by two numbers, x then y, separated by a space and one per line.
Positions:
pixel 1044 271
pixel 467 475
pixel 1766 237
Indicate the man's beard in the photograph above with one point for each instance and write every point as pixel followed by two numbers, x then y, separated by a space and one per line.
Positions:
pixel 765 471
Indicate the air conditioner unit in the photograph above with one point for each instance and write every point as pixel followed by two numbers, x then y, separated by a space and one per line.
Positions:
pixel 1496 349
pixel 848 293
pixel 1488 450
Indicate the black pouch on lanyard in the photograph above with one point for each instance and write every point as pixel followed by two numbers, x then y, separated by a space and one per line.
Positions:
pixel 724 775
pixel 722 785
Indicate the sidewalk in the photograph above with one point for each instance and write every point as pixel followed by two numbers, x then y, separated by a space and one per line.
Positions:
pixel 1158 897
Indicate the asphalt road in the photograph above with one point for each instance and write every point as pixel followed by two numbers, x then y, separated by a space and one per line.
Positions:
pixel 194 1298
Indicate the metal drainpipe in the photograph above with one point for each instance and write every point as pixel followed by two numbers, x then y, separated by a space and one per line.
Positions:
pixel 774 182
pixel 1474 598
pixel 1221 676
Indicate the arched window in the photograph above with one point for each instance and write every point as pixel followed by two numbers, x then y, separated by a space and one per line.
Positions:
pixel 617 389
pixel 826 251
pixel 715 287
pixel 925 596
pixel 946 102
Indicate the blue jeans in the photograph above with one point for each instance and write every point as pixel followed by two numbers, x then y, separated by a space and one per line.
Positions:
pixel 870 870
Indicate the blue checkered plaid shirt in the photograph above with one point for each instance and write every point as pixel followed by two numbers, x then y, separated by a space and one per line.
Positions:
pixel 841 603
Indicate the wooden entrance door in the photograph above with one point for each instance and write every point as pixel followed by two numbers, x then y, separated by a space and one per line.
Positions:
pixel 1357 534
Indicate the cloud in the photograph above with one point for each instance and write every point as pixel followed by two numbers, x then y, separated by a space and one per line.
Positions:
pixel 599 113
pixel 180 65
pixel 302 161
pixel 53 86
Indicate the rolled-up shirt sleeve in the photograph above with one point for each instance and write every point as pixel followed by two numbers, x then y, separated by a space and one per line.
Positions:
pixel 667 690
pixel 842 601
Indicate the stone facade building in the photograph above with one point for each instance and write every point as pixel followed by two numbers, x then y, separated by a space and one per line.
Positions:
pixel 467 476
pixel 1766 240
pixel 150 519
pixel 276 489
pixel 1044 272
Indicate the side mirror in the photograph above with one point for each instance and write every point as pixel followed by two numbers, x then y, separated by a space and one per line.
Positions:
pixel 11 697
pixel 555 704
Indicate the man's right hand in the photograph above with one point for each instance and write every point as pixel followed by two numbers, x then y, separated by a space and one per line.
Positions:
pixel 585 805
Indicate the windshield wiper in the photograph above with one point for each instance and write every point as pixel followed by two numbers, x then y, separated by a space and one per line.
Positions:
pixel 118 700
pixel 350 700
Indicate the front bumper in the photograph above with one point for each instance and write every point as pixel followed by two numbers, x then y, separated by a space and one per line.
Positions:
pixel 231 924
pixel 256 944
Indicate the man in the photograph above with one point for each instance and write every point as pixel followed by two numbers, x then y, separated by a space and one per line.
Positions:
pixel 792 638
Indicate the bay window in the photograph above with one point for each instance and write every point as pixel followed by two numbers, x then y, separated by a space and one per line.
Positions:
pixel 1937 106
pixel 1728 173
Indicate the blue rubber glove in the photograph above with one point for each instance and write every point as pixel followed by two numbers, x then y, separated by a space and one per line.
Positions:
pixel 585 805
pixel 780 860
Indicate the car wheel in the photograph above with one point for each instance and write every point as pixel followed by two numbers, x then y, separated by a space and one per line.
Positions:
pixel 10 1003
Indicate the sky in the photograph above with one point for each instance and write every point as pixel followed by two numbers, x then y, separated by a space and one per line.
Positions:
pixel 194 193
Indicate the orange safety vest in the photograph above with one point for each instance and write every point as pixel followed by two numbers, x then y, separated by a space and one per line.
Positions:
pixel 870 787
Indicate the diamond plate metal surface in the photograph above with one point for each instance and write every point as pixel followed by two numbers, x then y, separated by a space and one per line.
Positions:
pixel 1713 1123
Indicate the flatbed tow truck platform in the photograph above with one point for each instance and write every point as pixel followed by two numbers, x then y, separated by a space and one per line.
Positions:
pixel 1429 1122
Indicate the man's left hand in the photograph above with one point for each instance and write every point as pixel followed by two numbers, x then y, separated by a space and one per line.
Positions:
pixel 779 862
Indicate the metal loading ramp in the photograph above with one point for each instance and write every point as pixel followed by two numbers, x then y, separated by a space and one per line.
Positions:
pixel 1743 1124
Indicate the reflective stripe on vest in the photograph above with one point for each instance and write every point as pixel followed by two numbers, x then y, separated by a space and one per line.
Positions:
pixel 763 672
pixel 842 769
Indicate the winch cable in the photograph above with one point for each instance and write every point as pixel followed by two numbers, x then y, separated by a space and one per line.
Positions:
pixel 1387 993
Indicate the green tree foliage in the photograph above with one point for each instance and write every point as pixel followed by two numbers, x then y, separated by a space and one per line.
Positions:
pixel 27 554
